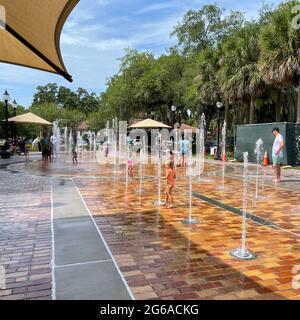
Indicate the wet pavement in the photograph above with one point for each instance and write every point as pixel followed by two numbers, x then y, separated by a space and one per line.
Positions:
pixel 158 256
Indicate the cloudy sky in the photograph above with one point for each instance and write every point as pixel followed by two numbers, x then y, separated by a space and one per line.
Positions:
pixel 98 31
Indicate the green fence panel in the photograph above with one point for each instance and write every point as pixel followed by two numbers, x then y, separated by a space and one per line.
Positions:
pixel 247 135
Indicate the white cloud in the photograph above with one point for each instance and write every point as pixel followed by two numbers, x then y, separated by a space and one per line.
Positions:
pixel 102 2
pixel 156 7
pixel 156 33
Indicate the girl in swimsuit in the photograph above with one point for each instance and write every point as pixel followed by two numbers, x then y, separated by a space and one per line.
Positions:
pixel 130 167
pixel 170 177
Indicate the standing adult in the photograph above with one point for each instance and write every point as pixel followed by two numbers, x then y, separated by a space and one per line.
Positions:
pixel 184 151
pixel 46 149
pixel 22 145
pixel 277 153
pixel 53 145
pixel 6 145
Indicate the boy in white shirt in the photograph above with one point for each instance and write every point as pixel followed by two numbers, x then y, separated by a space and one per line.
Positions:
pixel 277 153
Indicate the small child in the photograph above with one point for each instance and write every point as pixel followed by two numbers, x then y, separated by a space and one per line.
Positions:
pixel 130 167
pixel 27 149
pixel 74 154
pixel 171 156
pixel 106 149
pixel 80 148
pixel 170 177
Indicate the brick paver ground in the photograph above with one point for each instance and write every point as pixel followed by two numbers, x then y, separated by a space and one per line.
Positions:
pixel 159 257
pixel 25 236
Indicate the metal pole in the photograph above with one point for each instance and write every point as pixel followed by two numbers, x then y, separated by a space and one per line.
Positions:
pixel 6 119
pixel 218 138
pixel 173 119
pixel 12 130
pixel 14 135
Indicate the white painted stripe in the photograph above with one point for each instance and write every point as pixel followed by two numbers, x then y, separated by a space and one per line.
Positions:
pixel 285 230
pixel 81 263
pixel 105 244
pixel 53 247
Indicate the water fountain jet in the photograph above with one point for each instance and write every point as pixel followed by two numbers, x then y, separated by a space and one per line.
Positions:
pixel 190 173
pixel 158 144
pixel 242 252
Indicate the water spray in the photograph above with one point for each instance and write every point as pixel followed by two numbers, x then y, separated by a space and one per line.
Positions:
pixel 243 253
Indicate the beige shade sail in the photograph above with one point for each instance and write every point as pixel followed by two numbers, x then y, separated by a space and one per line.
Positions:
pixel 149 123
pixel 29 118
pixel 31 37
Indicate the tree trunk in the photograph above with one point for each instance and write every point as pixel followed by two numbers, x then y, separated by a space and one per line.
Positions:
pixel 278 105
pixel 247 112
pixel 298 104
pixel 251 114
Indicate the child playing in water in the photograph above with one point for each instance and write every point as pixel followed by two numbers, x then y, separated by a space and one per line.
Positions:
pixel 106 150
pixel 170 177
pixel 130 167
pixel 27 149
pixel 171 156
pixel 74 154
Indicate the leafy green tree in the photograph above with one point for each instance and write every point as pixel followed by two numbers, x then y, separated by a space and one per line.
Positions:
pixel 160 87
pixel 206 27
pixel 71 118
pixel 46 94
pixel 23 130
pixel 87 103
pixel 47 111
pixel 52 112
pixel 122 97
pixel 66 98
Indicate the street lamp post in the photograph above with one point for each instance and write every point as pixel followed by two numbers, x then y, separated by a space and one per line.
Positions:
pixel 173 109
pixel 219 107
pixel 6 100
pixel 14 124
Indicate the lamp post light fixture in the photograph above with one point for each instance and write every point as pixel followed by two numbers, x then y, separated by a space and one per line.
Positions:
pixel 152 114
pixel 173 109
pixel 14 124
pixel 6 99
pixel 189 113
pixel 219 107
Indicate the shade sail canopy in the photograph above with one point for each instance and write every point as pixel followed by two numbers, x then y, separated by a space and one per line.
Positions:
pixel 31 37
pixel 149 123
pixel 29 118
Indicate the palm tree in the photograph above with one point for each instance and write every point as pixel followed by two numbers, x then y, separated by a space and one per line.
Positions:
pixel 280 51
pixel 239 74
pixel 207 88
pixel 206 80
